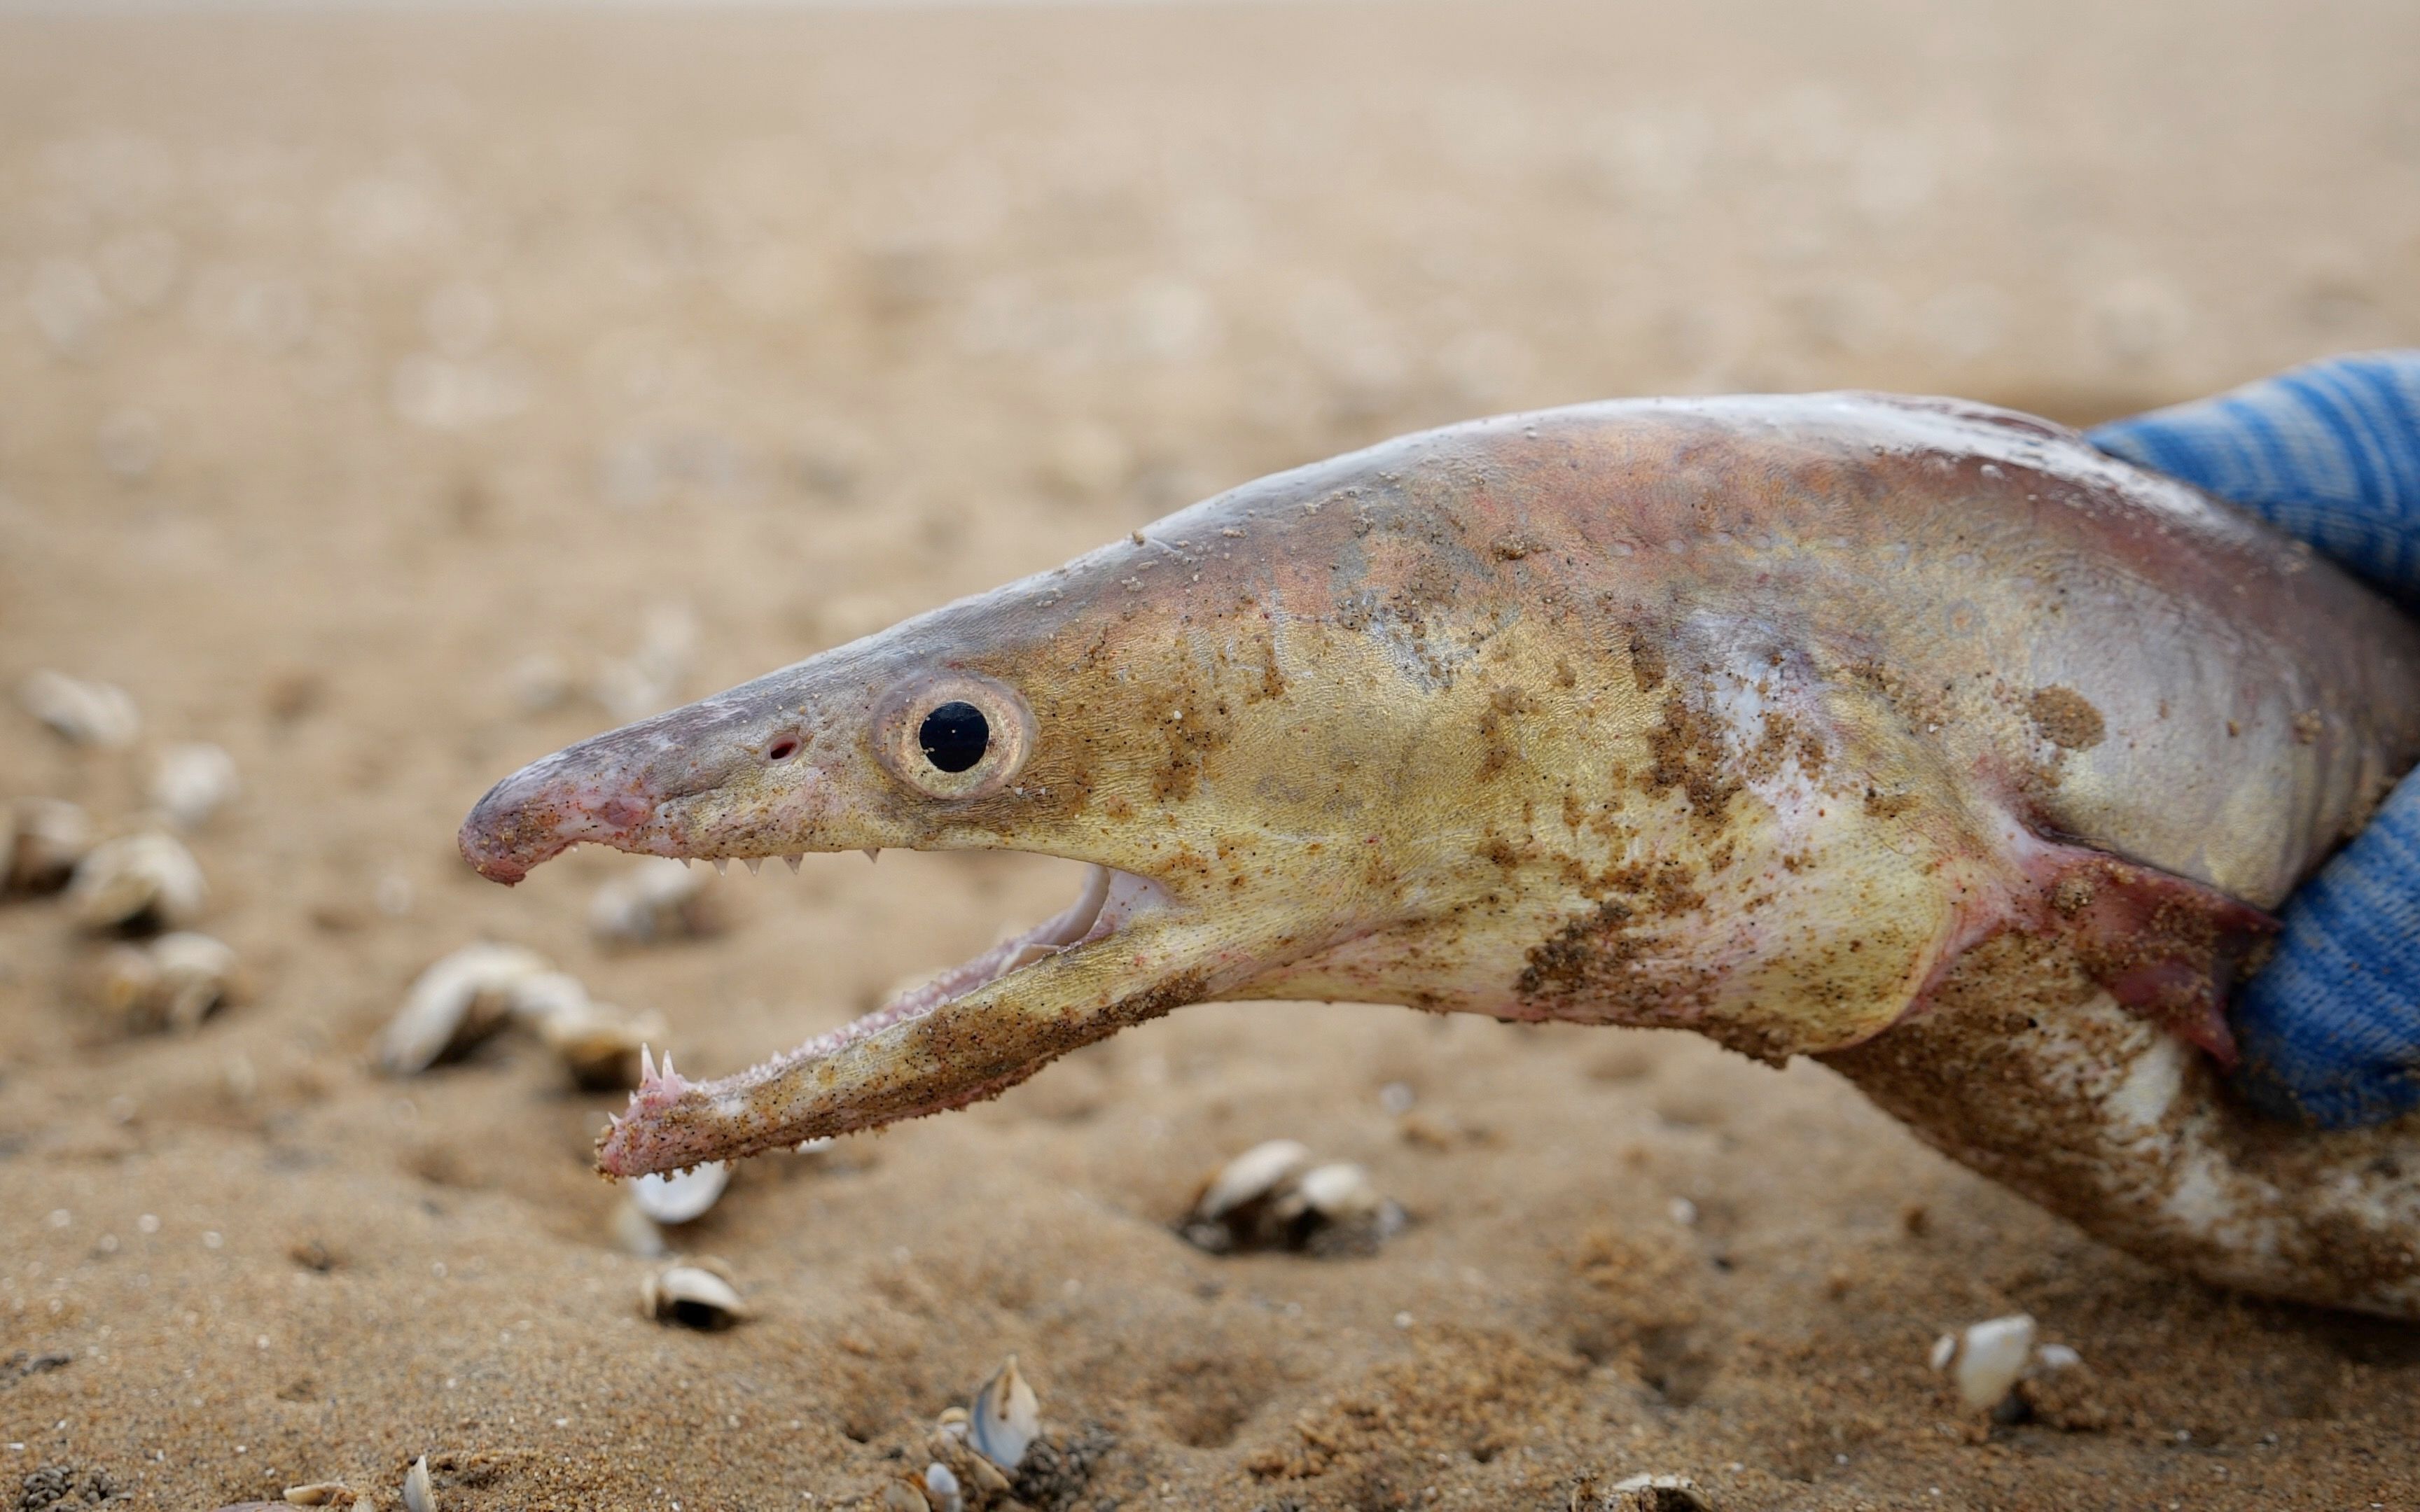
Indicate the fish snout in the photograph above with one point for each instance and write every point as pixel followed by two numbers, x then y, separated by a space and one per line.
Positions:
pixel 611 790
pixel 543 810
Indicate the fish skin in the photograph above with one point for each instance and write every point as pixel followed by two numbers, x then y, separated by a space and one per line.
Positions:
pixel 1840 725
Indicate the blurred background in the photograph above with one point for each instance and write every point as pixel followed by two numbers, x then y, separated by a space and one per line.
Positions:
pixel 390 395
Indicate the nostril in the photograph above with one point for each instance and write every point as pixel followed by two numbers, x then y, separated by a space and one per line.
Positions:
pixel 782 748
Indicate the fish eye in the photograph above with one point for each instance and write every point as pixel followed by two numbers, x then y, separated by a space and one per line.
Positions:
pixel 955 736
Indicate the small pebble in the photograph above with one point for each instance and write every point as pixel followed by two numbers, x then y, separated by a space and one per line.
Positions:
pixel 193 780
pixel 941 1489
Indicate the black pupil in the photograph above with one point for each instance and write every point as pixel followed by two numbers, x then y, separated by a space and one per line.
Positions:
pixel 955 736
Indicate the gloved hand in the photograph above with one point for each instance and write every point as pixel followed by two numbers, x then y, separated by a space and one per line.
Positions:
pixel 2330 1030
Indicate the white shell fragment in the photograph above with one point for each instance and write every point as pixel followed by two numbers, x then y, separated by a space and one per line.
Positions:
pixel 455 1004
pixel 80 711
pixel 694 1294
pixel 635 1233
pixel 419 1493
pixel 1653 1493
pixel 137 882
pixel 682 1196
pixel 1250 1177
pixel 657 900
pixel 941 1489
pixel 599 1050
pixel 172 982
pixel 1272 1197
pixel 469 995
pixel 1006 1417
pixel 42 839
pixel 191 782
pixel 1986 1360
pixel 319 1493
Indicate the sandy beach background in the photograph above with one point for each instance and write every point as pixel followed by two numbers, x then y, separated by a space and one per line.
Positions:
pixel 391 398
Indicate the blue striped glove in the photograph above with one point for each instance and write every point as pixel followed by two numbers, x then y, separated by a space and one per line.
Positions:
pixel 2330 1030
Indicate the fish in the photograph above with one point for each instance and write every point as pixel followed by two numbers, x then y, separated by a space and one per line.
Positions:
pixel 1912 735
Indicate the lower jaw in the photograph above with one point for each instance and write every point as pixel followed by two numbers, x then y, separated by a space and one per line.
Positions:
pixel 671 1121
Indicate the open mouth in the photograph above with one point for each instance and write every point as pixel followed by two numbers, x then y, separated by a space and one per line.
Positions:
pixel 1110 898
pixel 951 1039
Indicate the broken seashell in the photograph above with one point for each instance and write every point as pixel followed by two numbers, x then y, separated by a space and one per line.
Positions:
pixel 136 883
pixel 658 899
pixel 459 1001
pixel 600 1051
pixel 419 1493
pixel 1250 1177
pixel 543 998
pixel 692 1293
pixel 82 713
pixel 1653 1493
pixel 905 1496
pixel 1006 1417
pixel 42 839
pixel 193 780
pixel 319 1493
pixel 1986 1359
pixel 172 982
pixel 1272 1198
pixel 635 1233
pixel 681 1197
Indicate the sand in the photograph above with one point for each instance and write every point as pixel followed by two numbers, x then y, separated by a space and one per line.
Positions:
pixel 369 382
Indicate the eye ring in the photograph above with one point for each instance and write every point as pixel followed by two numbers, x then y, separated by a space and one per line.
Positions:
pixel 955 735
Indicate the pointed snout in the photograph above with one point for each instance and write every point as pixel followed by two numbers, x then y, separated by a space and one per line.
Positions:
pixel 610 790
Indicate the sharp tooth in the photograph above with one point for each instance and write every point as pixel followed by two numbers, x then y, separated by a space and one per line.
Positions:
pixel 794 861
pixel 646 1065
pixel 755 865
pixel 874 853
pixel 721 866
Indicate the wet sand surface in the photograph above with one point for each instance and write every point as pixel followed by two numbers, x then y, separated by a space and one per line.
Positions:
pixel 391 400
